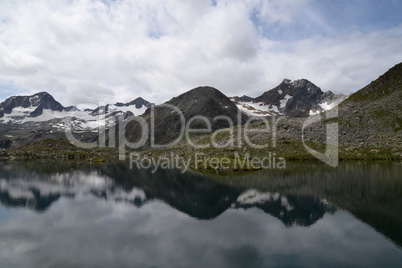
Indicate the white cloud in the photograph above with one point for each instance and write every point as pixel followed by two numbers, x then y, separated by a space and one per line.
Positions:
pixel 86 51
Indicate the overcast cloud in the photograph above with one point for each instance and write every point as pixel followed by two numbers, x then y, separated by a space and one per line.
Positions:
pixel 93 50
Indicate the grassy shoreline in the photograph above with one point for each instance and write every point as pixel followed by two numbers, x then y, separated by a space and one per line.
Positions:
pixel 61 149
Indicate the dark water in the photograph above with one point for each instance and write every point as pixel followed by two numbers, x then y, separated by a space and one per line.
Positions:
pixel 310 215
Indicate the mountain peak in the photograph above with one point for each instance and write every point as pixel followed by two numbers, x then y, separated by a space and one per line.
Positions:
pixel 243 98
pixel 41 100
pixel 292 98
pixel 139 99
pixel 199 95
pixel 41 94
pixel 204 101
pixel 139 103
pixel 204 91
pixel 300 83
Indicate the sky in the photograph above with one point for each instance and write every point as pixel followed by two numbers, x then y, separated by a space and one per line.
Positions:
pixel 90 51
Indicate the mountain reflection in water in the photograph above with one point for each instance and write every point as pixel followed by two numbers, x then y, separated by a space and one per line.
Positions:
pixel 197 196
pixel 300 196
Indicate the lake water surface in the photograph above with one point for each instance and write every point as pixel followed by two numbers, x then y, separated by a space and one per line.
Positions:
pixel 56 214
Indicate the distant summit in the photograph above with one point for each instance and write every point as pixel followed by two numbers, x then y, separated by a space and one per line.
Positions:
pixel 30 118
pixel 139 103
pixel 297 98
pixel 33 104
pixel 135 107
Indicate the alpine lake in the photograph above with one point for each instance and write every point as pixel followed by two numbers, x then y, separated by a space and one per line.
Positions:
pixel 72 214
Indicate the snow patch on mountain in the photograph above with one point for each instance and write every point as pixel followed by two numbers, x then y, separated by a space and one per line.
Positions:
pixel 284 101
pixel 125 109
pixel 328 104
pixel 256 108
pixel 34 100
pixel 42 108
pixel 253 108
pixel 290 98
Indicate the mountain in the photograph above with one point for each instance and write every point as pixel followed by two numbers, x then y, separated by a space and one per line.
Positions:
pixel 42 107
pixel 135 107
pixel 297 98
pixel 207 102
pixel 138 103
pixel 243 98
pixel 40 116
pixel 71 108
pixel 373 115
pixel 30 106
pixel 370 117
pixel 369 122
